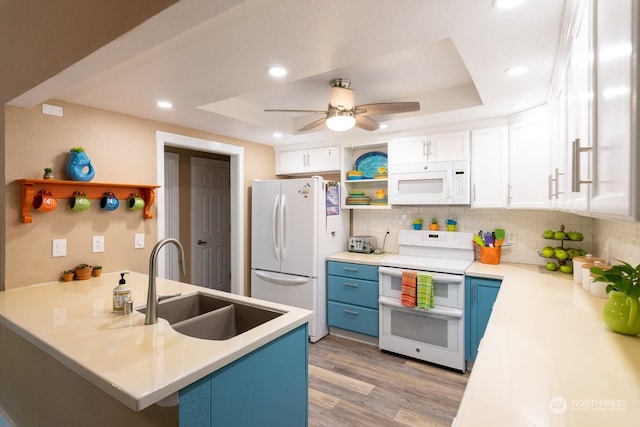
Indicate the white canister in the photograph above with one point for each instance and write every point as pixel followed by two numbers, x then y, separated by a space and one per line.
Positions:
pixel 577 266
pixel 598 289
pixel 586 273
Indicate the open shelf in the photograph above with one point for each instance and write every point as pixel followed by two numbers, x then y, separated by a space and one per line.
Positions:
pixel 94 190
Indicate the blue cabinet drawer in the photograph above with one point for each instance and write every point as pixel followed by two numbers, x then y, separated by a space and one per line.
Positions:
pixel 353 318
pixel 353 291
pixel 359 271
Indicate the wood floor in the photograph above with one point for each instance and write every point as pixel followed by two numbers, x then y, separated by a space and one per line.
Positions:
pixel 353 384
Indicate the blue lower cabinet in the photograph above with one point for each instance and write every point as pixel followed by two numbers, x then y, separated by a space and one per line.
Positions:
pixel 268 387
pixel 353 318
pixel 352 294
pixel 480 295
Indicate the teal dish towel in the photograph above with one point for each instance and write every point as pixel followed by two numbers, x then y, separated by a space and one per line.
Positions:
pixel 424 291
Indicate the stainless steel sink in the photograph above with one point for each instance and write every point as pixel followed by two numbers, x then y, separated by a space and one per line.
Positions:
pixel 207 317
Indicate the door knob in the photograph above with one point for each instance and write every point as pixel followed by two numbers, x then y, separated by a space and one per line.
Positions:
pixel 200 242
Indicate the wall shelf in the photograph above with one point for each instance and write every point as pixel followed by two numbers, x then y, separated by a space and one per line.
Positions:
pixel 94 190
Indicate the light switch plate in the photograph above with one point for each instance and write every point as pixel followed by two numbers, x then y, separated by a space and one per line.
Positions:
pixel 98 244
pixel 138 242
pixel 58 248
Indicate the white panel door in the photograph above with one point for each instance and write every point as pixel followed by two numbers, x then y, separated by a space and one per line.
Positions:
pixel 211 231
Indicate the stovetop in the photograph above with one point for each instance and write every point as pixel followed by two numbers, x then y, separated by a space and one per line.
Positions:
pixel 434 251
pixel 439 265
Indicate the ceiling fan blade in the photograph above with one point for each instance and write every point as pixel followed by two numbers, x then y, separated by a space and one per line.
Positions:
pixel 387 108
pixel 296 111
pixel 313 124
pixel 366 123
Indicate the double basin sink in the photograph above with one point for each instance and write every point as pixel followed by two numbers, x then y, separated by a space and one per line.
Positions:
pixel 208 317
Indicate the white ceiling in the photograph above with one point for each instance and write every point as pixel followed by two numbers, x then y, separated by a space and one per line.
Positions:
pixel 210 59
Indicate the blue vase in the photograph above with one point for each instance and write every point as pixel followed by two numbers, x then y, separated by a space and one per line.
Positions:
pixel 79 167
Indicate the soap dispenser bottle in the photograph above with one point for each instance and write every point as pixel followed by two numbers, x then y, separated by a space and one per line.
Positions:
pixel 121 294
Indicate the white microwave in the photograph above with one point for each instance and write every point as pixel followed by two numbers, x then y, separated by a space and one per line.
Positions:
pixel 435 183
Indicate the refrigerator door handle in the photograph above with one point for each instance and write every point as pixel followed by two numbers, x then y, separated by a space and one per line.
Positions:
pixel 283 221
pixel 280 279
pixel 274 228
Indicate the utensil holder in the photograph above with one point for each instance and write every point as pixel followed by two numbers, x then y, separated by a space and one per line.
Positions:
pixel 490 255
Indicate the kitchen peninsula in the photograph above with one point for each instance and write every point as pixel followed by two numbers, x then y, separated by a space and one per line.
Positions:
pixel 65 358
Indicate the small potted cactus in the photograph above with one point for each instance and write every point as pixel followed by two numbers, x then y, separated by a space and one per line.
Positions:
pixel 434 224
pixel 48 173
pixel 67 275
pixel 83 271
pixel 97 270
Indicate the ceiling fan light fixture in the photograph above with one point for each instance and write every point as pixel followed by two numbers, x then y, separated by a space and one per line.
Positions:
pixel 340 121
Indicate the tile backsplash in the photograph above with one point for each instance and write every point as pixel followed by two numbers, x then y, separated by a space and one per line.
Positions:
pixel 525 225
pixel 618 240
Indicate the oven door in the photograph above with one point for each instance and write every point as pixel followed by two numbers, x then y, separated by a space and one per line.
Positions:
pixel 435 335
pixel 448 289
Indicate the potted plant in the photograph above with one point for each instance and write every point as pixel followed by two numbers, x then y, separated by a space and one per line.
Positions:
pixel 417 224
pixel 67 275
pixel 97 270
pixel 434 224
pixel 620 312
pixel 48 173
pixel 83 271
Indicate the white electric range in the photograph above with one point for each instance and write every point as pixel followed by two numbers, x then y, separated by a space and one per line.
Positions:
pixel 434 335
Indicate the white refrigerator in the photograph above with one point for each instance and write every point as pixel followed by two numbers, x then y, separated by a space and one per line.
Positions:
pixel 295 225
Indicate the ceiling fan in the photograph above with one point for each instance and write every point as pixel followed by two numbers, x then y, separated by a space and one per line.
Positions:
pixel 342 114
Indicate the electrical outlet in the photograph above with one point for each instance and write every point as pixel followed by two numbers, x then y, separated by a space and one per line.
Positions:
pixel 58 247
pixel 98 244
pixel 511 238
pixel 138 242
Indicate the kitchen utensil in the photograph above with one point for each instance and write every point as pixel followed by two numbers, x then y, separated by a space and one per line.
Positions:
pixel 478 240
pixel 500 233
pixel 488 241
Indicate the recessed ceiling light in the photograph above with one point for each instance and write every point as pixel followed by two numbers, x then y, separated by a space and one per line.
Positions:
pixel 164 104
pixel 277 135
pixel 516 71
pixel 383 126
pixel 507 4
pixel 277 71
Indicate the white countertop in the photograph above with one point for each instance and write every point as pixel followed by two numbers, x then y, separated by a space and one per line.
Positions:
pixel 358 258
pixel 548 359
pixel 135 363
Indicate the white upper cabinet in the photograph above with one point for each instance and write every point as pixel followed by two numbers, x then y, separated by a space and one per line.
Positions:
pixel 308 161
pixel 529 164
pixel 577 148
pixel 615 178
pixel 490 167
pixel 435 148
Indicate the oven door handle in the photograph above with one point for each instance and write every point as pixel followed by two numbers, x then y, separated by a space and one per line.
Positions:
pixel 442 278
pixel 439 311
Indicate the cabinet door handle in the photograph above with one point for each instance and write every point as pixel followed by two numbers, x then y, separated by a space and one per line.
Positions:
pixel 550 187
pixel 576 181
pixel 350 312
pixel 473 293
pixel 474 192
pixel 350 269
pixel 351 285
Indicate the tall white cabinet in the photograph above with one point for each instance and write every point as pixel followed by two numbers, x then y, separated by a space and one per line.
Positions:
pixel 615 183
pixel 490 167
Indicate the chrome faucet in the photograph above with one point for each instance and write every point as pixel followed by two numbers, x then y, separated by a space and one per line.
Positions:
pixel 151 315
